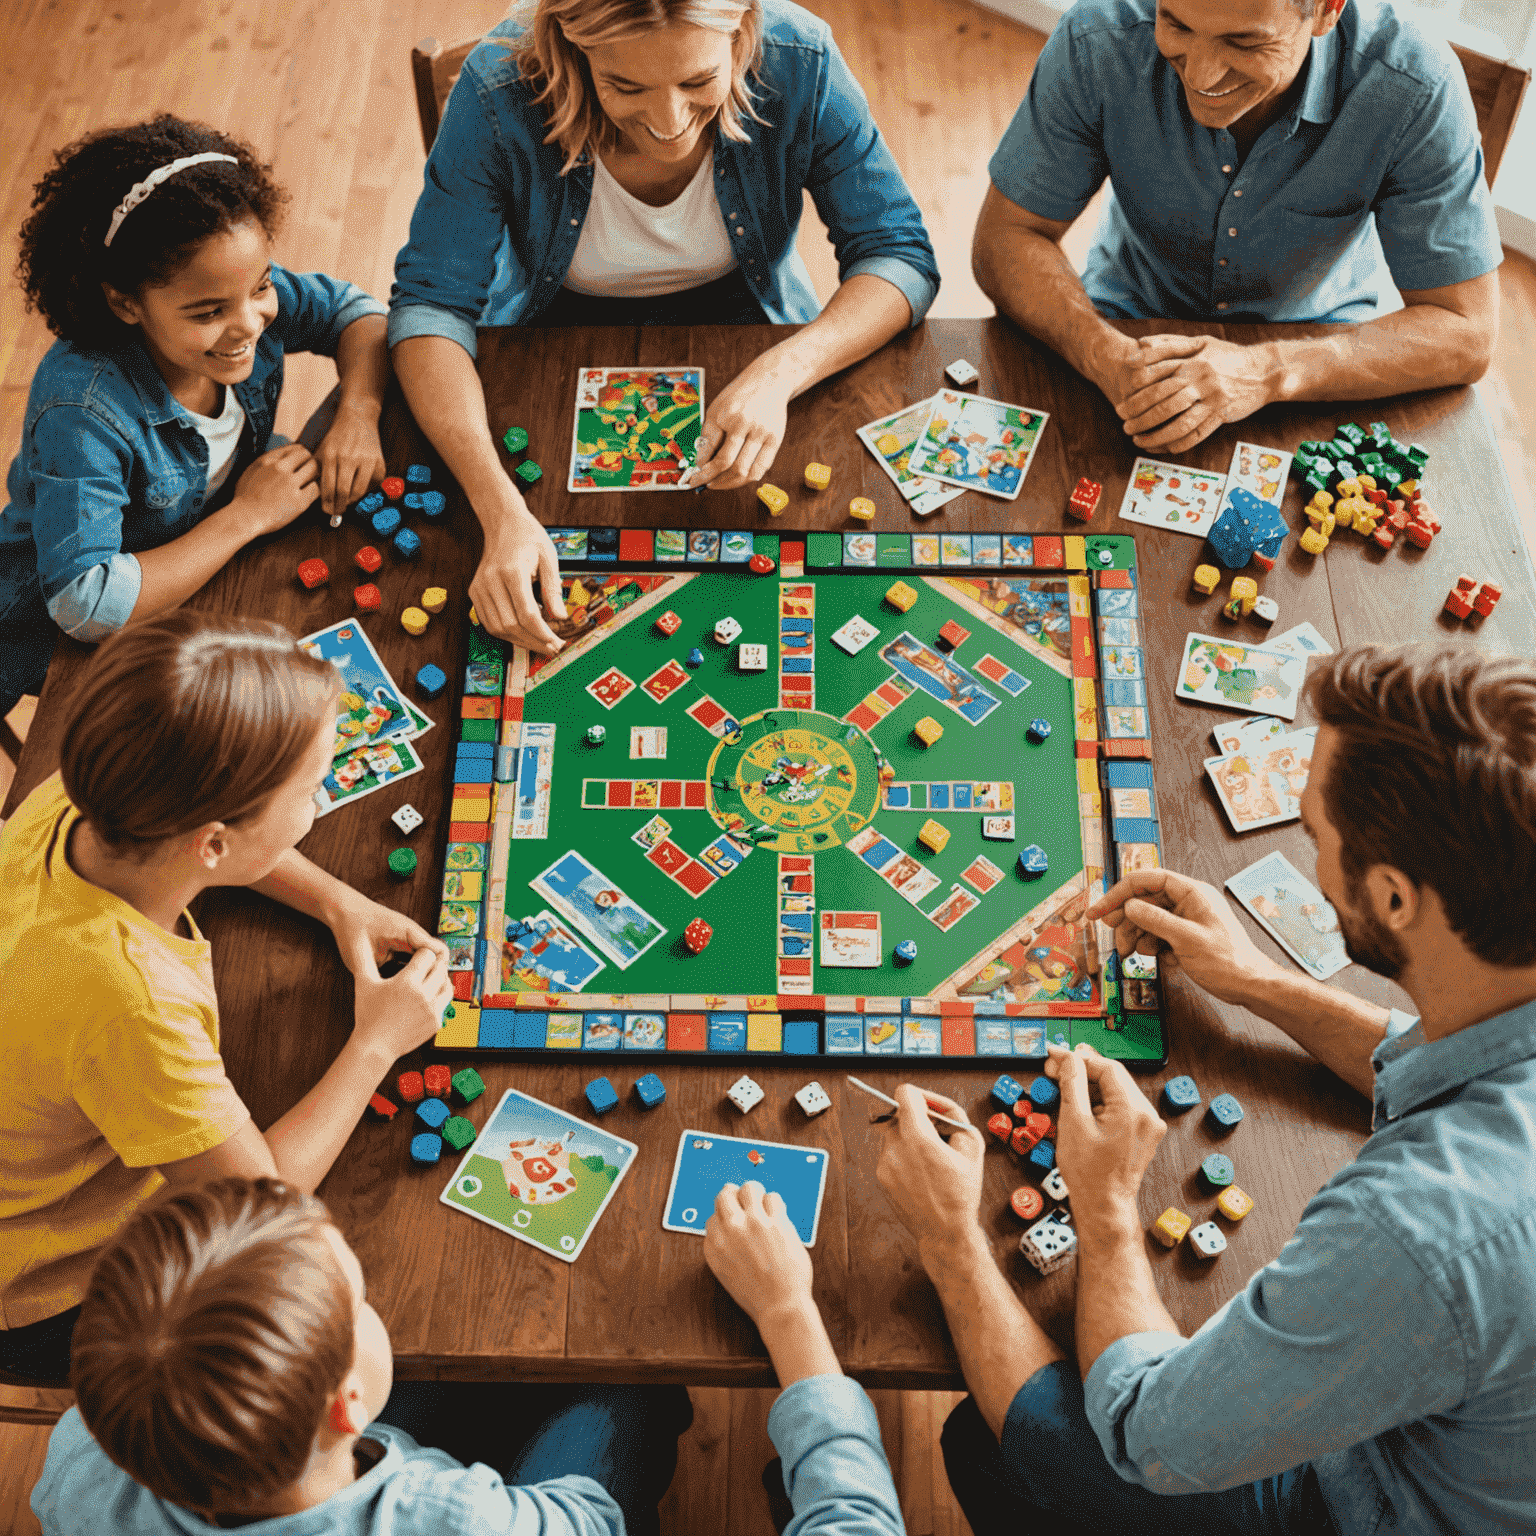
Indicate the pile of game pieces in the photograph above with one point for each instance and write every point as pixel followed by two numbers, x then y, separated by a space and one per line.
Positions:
pixel 1368 481
pixel 1217 1172
pixel 434 1122
pixel 1024 1125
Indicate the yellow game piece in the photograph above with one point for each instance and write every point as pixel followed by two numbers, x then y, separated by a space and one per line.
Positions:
pixel 888 443
pixel 932 836
pixel 901 596
pixel 413 621
pixel 474 618
pixel 1367 482
pixel 927 730
pixel 1233 1203
pixel 1245 592
pixel 435 599
pixel 1314 541
pixel 862 508
pixel 1207 579
pixel 886 773
pixel 1349 487
pixel 773 498
pixel 1407 489
pixel 1317 516
pixel 1322 500
pixel 818 476
pixel 1170 1227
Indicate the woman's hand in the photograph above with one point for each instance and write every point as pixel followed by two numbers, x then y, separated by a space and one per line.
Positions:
pixel 517 548
pixel 742 430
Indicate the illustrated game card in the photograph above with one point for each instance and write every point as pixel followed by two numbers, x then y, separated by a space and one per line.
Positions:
pixel 371 708
pixel 1237 676
pixel 1259 470
pixel 540 1174
pixel 1262 787
pixel 953 908
pixel 850 939
pixel 977 444
pixel 665 680
pixel 1300 640
pixel 1172 496
pixel 854 635
pixel 365 769
pixel 540 954
pixel 1248 735
pixel 588 900
pixel 890 440
pixel 707 1162
pixel 1294 913
pixel 637 429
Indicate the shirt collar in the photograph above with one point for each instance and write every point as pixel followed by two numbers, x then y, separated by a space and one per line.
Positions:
pixel 1318 96
pixel 160 405
pixel 1411 1070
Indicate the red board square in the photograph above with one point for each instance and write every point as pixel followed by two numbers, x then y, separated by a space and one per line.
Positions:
pixel 1120 579
pixel 890 693
pixel 469 832
pixel 667 856
pixel 796 965
pixel 636 544
pixel 687 1032
pixel 791 549
pixel 795 864
pixel 514 709
pixel 799 883
pixel 694 797
pixel 476 708
pixel 1050 551
pixel 463 984
pixel 695 878
pixel 862 716
pixel 959 1033
pixel 620 792
pixel 671 794
pixel 706 712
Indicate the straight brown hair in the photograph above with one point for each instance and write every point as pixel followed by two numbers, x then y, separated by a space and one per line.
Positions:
pixel 1434 773
pixel 190 718
pixel 216 1329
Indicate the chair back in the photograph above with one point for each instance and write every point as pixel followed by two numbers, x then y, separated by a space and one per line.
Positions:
pixel 24 1400
pixel 434 69
pixel 1497 91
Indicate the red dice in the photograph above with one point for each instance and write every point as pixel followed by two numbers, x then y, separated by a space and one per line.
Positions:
pixel 760 565
pixel 313 572
pixel 381 1108
pixel 438 1080
pixel 393 488
pixel 1027 1202
pixel 952 635
pixel 1487 598
pixel 668 623
pixel 1000 1126
pixel 367 597
pixel 697 935
pixel 1023 1140
pixel 1458 602
pixel 412 1088
pixel 369 559
pixel 1085 499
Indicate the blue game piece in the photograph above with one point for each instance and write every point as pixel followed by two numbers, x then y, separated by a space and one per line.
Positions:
pixel 1245 524
pixel 600 1096
pixel 1225 1111
pixel 1044 1094
pixel 432 1112
pixel 1180 1093
pixel 1007 1091
pixel 1217 1170
pixel 418 474
pixel 426 1148
pixel 650 1089
pixel 1033 862
pixel 386 521
pixel 411 501
pixel 370 504
pixel 906 952
pixel 432 503
pixel 432 680
pixel 407 543
pixel 695 658
pixel 1042 1156
pixel 1038 730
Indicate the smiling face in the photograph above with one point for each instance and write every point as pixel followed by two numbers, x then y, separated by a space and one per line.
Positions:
pixel 1236 56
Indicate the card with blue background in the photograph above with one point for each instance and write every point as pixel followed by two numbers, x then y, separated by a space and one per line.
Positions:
pixel 707 1162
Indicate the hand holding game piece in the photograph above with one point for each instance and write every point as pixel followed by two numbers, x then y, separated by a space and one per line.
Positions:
pixel 518 549
pixel 1103 1151
pixel 395 1016
pixel 350 457
pixel 368 933
pixel 934 1186
pixel 742 430
pixel 276 488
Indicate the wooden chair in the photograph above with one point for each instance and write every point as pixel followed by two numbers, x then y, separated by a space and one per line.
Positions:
pixel 434 69
pixel 1497 91
pixel 26 1401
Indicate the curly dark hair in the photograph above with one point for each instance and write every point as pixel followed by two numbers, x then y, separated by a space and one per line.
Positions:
pixel 63 262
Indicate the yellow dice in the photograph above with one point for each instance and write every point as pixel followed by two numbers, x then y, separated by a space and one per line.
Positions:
pixel 901 596
pixel 435 599
pixel 413 621
pixel 862 508
pixel 1170 1227
pixel 1245 593
pixel 773 498
pixel 927 730
pixel 1207 579
pixel 1233 1203
pixel 932 836
pixel 818 476
pixel 1314 541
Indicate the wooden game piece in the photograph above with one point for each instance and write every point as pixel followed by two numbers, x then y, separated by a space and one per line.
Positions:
pixel 418 474
pixel 1207 579
pixel 411 1087
pixel 393 487
pixel 432 1113
pixel 813 1100
pixel 458 1132
pixel 694 658
pixel 313 572
pixel 431 679
pixel 402 863
pixel 1054 1185
pixel 772 498
pixel 601 1096
pixel 467 1084
pixel 1314 541
pixel 1007 1091
pixel 932 836
pixel 413 621
pixel 1170 1227
pixel 751 658
pixel 528 472
pixel 381 1108
pixel 744 1093
pixel 818 476
pixel 1233 1203
pixel 1244 594
pixel 596 735
pixel 1225 1111
pixel 1084 501
pixel 369 504
pixel 1208 1240
pixel 515 439
pixel 1217 1170
pixel 407 818
pixel 1033 862
pixel 960 373
pixel 726 630
pixel 1487 598
pixel 1458 602
pixel 952 636
pixel 1023 1139
pixel 368 559
pixel 434 599
pixel 760 565
pixel 426 1149
pixel 928 730
pixel 1001 1125
pixel 1044 1094
pixel 407 544
pixel 697 934
pixel 1039 730
pixel 1266 610
pixel 667 624
pixel 1027 1202
pixel 900 596
pixel 1180 1093
pixel 1048 1244
pixel 437 1080
pixel 367 598
pixel 905 952
pixel 862 508
pixel 650 1090
pixel 433 503
pixel 1037 1125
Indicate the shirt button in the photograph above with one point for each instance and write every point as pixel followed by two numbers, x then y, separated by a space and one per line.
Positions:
pixel 1237 191
pixel 1232 233
pixel 1227 170
pixel 740 230
pixel 1222 262
pixel 1222 305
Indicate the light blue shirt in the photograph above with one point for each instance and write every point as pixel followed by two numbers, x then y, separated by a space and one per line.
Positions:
pixel 824 1429
pixel 1393 1342
pixel 1373 179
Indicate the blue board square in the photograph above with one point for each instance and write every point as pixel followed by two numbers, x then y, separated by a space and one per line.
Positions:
pixel 797 664
pixel 498 1029
pixel 472 771
pixel 1123 773
pixel 727 1031
pixel 898 797
pixel 602 1031
pixel 879 854
pixel 938 797
pixel 802 1037
pixel 480 749
pixel 962 794
pixel 529 1030
pixel 845 1034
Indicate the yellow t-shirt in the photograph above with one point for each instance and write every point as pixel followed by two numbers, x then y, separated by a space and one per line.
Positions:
pixel 109 1061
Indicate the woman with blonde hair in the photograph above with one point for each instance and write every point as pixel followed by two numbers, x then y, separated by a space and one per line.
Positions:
pixel 644 162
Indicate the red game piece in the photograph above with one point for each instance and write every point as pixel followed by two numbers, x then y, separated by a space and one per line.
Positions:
pixel 1263 561
pixel 393 488
pixel 952 636
pixel 697 935
pixel 760 565
pixel 1027 1202
pixel 367 597
pixel 1000 1126
pixel 438 1080
pixel 313 572
pixel 1458 601
pixel 668 623
pixel 1085 499
pixel 381 1107
pixel 369 558
pixel 1384 536
pixel 1487 598
pixel 1378 497
pixel 412 1087
pixel 1419 533
pixel 1023 1140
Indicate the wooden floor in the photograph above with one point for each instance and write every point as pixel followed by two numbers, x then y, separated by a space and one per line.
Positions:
pixel 323 89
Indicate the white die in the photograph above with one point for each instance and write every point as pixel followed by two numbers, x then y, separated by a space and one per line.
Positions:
pixel 1054 1185
pixel 744 1093
pixel 813 1099
pixel 1266 609
pixel 1208 1240
pixel 751 658
pixel 1048 1244
pixel 961 373
pixel 407 818
pixel 726 630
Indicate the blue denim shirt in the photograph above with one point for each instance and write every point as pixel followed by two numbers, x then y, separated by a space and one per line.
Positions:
pixel 823 1427
pixel 1374 178
pixel 1393 1342
pixel 496 225
pixel 110 462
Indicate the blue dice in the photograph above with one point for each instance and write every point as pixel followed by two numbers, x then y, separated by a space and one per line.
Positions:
pixel 600 1096
pixel 695 658
pixel 385 521
pixel 1180 1093
pixel 407 543
pixel 426 1148
pixel 1044 1094
pixel 1038 730
pixel 1033 862
pixel 906 952
pixel 1225 1111
pixel 418 474
pixel 1217 1170
pixel 411 501
pixel 370 504
pixel 432 503
pixel 1042 1156
pixel 1007 1091
pixel 650 1090
pixel 432 1113
pixel 431 680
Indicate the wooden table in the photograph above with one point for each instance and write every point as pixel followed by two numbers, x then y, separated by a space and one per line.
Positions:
pixel 462 1300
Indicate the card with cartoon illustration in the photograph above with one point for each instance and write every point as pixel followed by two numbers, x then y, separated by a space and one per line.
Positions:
pixel 1172 496
pixel 1237 676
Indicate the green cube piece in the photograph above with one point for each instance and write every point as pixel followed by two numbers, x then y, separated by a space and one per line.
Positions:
pixel 1382 433
pixel 893 550
pixel 824 551
pixel 528 472
pixel 516 439
pixel 402 863
pixel 1316 480
pixel 1418 456
pixel 479 730
pixel 458 1132
pixel 467 1084
pixel 1372 461
pixel 1351 433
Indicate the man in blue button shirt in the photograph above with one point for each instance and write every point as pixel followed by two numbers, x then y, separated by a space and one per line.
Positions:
pixel 1380 1374
pixel 1268 160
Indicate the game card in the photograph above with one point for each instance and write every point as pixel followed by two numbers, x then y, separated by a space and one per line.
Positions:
pixel 1259 470
pixel 854 635
pixel 890 440
pixel 707 1162
pixel 540 1174
pixel 953 908
pixel 637 429
pixel 1237 676
pixel 1300 640
pixel 939 676
pixel 982 873
pixel 1294 913
pixel 653 832
pixel 540 954
pixel 363 770
pixel 665 680
pixel 977 444
pixel 1172 496
pixel 850 939
pixel 647 741
pixel 580 892
pixel 1263 787
pixel 371 708
pixel 610 687
pixel 1248 735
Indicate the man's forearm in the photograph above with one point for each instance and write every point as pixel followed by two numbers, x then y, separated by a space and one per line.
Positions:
pixel 1000 1345
pixel 1116 1294
pixel 1338 1028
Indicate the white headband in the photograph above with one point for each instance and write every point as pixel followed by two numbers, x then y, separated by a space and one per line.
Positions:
pixel 142 189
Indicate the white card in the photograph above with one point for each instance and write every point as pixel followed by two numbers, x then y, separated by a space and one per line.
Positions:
pixel 850 938
pixel 1260 470
pixel 1237 676
pixel 1262 787
pixel 1294 913
pixel 1172 496
pixel 1300 640
pixel 854 635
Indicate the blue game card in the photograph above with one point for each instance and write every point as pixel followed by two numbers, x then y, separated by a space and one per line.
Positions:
pixel 706 1163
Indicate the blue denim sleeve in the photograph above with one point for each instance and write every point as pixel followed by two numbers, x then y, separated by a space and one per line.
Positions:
pixel 313 310
pixel 871 215
pixel 1434 212
pixel 1051 159
pixel 835 1472
pixel 100 600
pixel 1339 1339
pixel 474 1501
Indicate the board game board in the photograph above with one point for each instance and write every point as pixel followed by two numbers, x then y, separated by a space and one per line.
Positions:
pixel 636 428
pixel 784 806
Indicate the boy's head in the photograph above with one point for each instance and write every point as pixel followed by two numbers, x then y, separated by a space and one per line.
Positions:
pixel 223 1341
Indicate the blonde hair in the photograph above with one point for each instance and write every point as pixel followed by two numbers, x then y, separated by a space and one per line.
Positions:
pixel 551 57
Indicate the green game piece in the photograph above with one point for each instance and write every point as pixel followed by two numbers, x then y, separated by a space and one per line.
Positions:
pixel 596 735
pixel 458 1132
pixel 528 472
pixel 823 551
pixel 467 1084
pixel 516 439
pixel 893 550
pixel 402 863
pixel 1351 433
pixel 1416 455
pixel 478 730
pixel 1381 434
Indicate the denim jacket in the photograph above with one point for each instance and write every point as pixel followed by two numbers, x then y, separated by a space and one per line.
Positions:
pixel 496 225
pixel 110 462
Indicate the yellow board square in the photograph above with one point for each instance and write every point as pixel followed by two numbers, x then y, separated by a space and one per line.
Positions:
pixel 1075 547
pixel 472 810
pixel 461 1027
pixel 765 1031
pixel 564 1032
pixel 464 885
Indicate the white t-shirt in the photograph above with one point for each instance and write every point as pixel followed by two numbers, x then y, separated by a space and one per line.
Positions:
pixel 629 249
pixel 222 434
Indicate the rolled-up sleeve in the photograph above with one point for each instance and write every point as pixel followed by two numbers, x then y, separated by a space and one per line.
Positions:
pixel 314 309
pixel 1294 1367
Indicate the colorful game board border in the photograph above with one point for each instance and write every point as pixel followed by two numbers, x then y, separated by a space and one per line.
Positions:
pixel 1113 748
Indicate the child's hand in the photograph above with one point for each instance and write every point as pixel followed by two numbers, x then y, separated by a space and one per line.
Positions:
pixel 756 1254
pixel 277 487
pixel 351 458
pixel 397 1015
